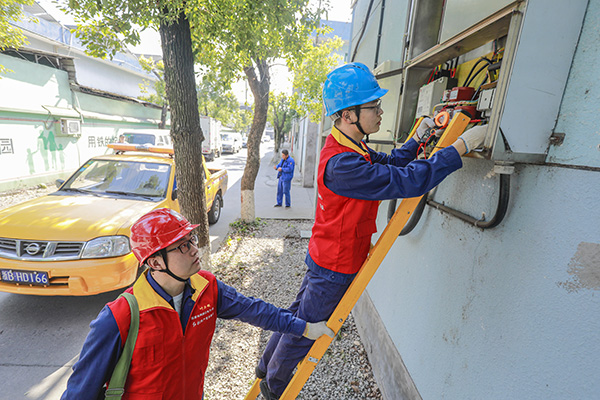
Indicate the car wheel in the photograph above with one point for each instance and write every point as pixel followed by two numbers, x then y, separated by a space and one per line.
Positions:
pixel 215 210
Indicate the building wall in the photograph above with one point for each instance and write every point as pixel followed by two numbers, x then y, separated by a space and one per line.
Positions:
pixel 510 312
pixel 32 148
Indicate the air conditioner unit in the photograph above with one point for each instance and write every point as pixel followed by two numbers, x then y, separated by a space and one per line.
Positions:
pixel 70 127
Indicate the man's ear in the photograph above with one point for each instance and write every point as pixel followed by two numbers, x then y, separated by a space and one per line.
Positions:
pixel 346 116
pixel 155 263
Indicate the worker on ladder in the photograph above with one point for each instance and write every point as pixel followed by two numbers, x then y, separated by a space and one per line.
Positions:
pixel 352 179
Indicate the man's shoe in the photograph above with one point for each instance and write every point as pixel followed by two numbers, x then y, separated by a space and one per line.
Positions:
pixel 287 206
pixel 260 374
pixel 266 392
pixel 277 205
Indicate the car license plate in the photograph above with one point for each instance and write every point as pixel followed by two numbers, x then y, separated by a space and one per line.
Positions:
pixel 26 277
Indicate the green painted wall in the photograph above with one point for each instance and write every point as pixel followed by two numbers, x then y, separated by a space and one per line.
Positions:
pixel 32 148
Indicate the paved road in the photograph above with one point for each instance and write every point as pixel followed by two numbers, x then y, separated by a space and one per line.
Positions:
pixel 40 337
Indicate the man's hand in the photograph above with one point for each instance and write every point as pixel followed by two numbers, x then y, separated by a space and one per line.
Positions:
pixel 315 330
pixel 426 124
pixel 279 169
pixel 474 137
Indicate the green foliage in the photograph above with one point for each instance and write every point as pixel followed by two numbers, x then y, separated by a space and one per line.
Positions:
pixel 216 100
pixel 232 34
pixel 105 27
pixel 310 74
pixel 239 227
pixel 11 36
pixel 158 69
pixel 280 116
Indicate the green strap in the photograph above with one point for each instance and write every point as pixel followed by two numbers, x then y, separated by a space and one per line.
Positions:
pixel 116 386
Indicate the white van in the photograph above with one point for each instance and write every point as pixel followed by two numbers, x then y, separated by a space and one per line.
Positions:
pixel 231 141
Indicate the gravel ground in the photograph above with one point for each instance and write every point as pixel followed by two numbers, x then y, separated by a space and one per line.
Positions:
pixel 267 261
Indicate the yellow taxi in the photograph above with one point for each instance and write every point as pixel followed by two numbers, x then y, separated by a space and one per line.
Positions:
pixel 75 241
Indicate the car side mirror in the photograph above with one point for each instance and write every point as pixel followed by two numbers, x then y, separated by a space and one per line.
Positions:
pixel 59 183
pixel 174 194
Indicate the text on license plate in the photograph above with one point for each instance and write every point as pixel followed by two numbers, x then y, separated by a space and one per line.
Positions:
pixel 27 277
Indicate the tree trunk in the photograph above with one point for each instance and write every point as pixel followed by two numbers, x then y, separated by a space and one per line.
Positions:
pixel 185 126
pixel 163 116
pixel 279 139
pixel 260 90
pixel 276 142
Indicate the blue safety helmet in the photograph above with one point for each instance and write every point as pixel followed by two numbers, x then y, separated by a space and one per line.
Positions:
pixel 350 85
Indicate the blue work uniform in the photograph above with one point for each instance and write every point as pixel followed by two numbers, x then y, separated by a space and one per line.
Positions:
pixel 349 174
pixel 285 180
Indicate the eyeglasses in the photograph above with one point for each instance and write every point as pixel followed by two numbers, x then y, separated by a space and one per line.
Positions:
pixel 376 106
pixel 185 246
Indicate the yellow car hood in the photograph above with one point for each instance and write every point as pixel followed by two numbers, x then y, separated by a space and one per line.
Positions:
pixel 71 218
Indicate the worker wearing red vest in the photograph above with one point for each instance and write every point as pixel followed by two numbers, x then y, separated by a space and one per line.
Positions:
pixel 352 179
pixel 179 305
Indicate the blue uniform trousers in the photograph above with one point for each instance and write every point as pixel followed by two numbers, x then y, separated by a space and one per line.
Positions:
pixel 283 188
pixel 316 301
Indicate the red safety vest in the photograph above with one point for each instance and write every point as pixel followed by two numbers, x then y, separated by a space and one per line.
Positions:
pixel 341 235
pixel 166 364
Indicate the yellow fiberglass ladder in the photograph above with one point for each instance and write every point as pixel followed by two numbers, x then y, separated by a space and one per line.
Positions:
pixel 376 255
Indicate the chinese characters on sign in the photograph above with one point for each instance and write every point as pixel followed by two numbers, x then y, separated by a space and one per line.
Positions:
pixel 100 141
pixel 6 146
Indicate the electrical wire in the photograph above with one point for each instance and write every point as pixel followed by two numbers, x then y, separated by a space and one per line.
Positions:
pixel 467 83
pixel 473 68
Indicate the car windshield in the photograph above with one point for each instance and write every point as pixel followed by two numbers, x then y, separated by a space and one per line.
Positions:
pixel 121 178
pixel 225 137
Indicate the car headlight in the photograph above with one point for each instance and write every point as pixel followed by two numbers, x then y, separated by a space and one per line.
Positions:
pixel 106 246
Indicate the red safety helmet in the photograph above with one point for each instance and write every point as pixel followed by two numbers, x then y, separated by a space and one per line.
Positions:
pixel 157 230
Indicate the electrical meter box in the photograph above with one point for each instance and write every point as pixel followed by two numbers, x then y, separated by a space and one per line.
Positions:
pixel 538 43
pixel 431 94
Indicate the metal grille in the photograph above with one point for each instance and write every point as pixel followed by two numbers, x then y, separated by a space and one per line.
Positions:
pixel 8 245
pixel 32 250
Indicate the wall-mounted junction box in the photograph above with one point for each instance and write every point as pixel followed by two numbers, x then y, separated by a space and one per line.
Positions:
pixel 431 94
pixel 522 110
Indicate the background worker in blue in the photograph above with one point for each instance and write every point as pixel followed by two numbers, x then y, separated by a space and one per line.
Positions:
pixel 285 174
pixel 352 179
pixel 179 304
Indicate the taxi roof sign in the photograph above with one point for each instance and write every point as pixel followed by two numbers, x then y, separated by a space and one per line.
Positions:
pixel 140 147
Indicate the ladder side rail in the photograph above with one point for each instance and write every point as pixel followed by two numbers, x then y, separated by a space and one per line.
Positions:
pixel 359 284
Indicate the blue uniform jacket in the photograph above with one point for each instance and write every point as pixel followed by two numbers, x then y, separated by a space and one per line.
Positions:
pixel 393 176
pixel 102 347
pixel 287 169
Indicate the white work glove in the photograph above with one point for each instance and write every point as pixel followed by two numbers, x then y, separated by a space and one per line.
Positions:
pixel 474 137
pixel 424 125
pixel 315 330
